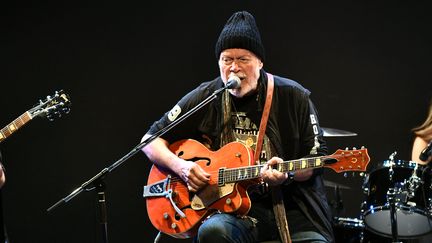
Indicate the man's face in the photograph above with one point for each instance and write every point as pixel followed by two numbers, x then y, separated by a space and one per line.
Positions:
pixel 243 64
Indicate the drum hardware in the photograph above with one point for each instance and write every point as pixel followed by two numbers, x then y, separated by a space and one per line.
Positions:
pixel 337 203
pixel 413 182
pixel 392 201
pixel 365 184
pixel 392 163
pixel 393 215
pixel 349 222
pixel 398 198
pixel 348 230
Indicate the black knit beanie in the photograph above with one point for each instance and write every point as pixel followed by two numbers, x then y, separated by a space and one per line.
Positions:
pixel 240 31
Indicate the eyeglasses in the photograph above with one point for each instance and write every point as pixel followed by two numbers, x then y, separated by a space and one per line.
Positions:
pixel 228 61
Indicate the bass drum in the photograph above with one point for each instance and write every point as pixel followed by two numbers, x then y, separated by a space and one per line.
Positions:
pixel 412 202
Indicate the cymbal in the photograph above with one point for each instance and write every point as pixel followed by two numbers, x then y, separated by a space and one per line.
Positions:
pixel 333 132
pixel 334 184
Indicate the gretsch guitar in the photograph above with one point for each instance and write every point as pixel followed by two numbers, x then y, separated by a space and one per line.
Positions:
pixel 52 107
pixel 175 211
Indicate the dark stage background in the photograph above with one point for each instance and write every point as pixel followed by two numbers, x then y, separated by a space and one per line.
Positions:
pixel 368 66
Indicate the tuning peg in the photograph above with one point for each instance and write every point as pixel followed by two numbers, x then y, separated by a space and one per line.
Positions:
pixel 346 148
pixel 362 147
pixel 50 117
pixel 354 148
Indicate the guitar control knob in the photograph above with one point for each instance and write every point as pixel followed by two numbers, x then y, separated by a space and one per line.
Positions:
pixel 228 201
pixel 173 225
pixel 165 215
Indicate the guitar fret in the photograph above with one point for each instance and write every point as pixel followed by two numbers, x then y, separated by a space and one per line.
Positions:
pixel 6 131
pixel 300 164
pixel 25 117
pixel 244 173
pixel 14 125
pixel 239 174
pixel 255 171
pixel 18 122
pixel 318 162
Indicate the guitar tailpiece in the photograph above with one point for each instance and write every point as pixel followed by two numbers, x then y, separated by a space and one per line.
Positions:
pixel 162 189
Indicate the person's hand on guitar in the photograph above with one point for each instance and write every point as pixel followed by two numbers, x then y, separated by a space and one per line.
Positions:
pixel 191 173
pixel 194 176
pixel 274 177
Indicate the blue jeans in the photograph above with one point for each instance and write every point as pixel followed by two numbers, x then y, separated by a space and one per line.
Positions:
pixel 221 228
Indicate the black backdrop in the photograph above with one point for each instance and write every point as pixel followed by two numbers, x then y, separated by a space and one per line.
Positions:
pixel 367 65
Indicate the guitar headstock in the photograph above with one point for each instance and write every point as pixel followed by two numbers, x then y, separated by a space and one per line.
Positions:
pixel 348 160
pixel 53 106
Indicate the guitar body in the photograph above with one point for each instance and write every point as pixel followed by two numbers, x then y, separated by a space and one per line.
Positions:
pixel 175 211
pixel 228 198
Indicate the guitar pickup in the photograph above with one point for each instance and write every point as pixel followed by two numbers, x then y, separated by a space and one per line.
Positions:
pixel 157 189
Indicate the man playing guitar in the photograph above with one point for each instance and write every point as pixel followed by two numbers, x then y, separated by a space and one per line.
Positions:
pixel 292 132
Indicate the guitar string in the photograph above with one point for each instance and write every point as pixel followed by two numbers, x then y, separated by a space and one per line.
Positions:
pixel 284 165
pixel 297 164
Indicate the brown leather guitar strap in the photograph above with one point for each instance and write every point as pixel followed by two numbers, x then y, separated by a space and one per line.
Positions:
pixel 280 214
pixel 278 204
pixel 264 117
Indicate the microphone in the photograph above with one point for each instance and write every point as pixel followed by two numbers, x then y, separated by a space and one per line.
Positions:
pixel 424 155
pixel 233 82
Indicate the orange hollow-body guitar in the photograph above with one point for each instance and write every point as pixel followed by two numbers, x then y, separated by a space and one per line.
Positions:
pixel 175 211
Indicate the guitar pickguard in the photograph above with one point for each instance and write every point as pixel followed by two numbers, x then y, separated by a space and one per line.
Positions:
pixel 210 194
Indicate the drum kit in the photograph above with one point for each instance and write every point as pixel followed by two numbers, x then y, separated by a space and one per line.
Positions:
pixel 397 205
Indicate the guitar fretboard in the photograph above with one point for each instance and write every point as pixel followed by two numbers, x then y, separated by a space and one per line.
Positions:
pixel 251 172
pixel 14 125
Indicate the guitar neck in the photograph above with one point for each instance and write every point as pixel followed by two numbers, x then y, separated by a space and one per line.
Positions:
pixel 15 125
pixel 230 175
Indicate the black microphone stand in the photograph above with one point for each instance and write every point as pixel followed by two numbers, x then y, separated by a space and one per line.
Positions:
pixel 97 181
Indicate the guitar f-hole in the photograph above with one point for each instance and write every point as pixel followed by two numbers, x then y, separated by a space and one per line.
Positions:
pixel 195 159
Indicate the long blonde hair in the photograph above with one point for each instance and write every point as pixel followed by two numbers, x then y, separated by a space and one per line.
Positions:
pixel 425 130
